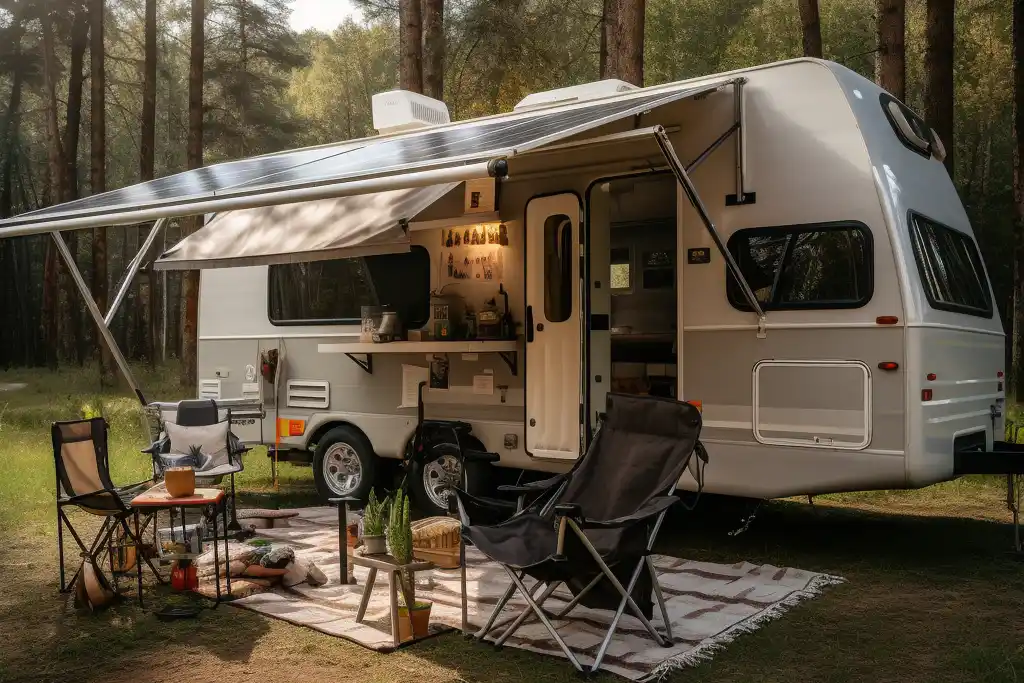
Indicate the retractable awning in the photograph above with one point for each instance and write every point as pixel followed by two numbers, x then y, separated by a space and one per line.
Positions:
pixel 306 231
pixel 449 153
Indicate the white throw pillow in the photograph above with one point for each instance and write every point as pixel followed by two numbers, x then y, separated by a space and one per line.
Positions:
pixel 211 439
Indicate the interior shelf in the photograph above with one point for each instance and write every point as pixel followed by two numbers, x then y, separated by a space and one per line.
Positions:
pixel 421 347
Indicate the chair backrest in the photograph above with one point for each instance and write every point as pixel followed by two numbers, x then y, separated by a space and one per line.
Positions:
pixel 640 452
pixel 197 413
pixel 80 456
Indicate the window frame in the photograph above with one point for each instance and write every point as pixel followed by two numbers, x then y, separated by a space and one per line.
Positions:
pixel 912 229
pixel 415 248
pixel 734 296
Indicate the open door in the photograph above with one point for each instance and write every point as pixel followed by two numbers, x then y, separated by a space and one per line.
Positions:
pixel 553 336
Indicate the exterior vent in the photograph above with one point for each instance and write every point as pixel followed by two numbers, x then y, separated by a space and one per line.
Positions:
pixel 396 111
pixel 575 93
pixel 308 393
pixel 209 388
pixel 251 390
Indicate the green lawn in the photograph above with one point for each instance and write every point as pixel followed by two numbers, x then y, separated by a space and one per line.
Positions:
pixel 932 593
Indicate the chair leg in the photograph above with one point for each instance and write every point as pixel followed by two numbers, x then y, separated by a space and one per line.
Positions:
pixel 579 596
pixel 234 525
pixel 551 588
pixel 660 597
pixel 615 621
pixel 60 548
pixel 486 628
pixel 534 590
pixel 544 620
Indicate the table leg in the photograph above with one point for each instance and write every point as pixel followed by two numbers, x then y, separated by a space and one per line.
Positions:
pixel 393 585
pixel 367 590
pixel 227 550
pixel 216 556
pixel 343 543
pixel 138 556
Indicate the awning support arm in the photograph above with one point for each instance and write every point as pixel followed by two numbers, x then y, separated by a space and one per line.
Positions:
pixel 691 193
pixel 133 269
pixel 97 316
pixel 742 196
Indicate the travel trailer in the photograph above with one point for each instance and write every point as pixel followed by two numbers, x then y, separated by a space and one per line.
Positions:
pixel 780 245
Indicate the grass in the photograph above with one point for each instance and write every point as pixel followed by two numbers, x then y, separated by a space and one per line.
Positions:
pixel 932 595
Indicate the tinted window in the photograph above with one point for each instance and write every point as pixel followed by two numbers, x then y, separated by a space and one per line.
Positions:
pixel 332 292
pixel 951 269
pixel 558 268
pixel 816 266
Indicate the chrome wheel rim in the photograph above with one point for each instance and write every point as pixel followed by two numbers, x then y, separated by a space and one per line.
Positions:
pixel 341 469
pixel 439 477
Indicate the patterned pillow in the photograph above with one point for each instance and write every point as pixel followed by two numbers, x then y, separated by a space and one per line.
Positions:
pixel 212 441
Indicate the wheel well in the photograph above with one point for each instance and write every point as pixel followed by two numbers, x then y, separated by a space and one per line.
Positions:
pixel 322 430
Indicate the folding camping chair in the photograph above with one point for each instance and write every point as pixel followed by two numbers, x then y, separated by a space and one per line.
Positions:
pixel 83 481
pixel 203 413
pixel 596 532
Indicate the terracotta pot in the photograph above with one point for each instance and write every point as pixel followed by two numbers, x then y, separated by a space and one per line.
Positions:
pixel 375 545
pixel 180 481
pixel 420 622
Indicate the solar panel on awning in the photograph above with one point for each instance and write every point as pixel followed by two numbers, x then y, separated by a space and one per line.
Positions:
pixel 332 170
pixel 306 231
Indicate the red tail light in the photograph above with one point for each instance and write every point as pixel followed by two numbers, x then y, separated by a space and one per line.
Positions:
pixel 886 320
pixel 999 374
pixel 931 376
pixel 926 394
pixel 888 365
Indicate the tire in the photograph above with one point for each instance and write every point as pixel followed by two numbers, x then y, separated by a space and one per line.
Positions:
pixel 478 477
pixel 342 453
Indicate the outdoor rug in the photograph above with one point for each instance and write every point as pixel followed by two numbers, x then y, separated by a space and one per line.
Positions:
pixel 708 604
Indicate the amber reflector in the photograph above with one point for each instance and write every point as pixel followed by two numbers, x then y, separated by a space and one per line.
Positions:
pixel 887 320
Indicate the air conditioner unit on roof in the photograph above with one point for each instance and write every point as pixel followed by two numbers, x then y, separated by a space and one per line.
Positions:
pixel 400 110
pixel 574 93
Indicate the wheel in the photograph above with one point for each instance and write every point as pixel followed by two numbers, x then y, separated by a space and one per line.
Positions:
pixel 430 483
pixel 344 464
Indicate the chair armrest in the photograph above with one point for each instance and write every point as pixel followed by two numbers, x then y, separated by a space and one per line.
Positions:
pixel 653 507
pixel 571 510
pixel 533 486
pixel 157 447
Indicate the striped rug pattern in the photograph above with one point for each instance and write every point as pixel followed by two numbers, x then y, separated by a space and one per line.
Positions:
pixel 708 604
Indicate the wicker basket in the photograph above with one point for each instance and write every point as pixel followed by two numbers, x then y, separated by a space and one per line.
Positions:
pixel 436 539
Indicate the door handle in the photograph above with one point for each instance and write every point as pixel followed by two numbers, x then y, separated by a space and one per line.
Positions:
pixel 529 324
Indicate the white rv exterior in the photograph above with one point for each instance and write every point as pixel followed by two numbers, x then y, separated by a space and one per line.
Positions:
pixel 865 380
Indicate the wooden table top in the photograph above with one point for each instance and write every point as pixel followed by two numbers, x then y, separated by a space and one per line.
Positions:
pixel 158 497
pixel 386 562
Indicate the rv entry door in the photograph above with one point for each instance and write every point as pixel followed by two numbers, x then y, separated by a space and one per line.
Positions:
pixel 553 337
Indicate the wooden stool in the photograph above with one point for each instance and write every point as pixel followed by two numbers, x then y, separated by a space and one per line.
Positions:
pixel 391 565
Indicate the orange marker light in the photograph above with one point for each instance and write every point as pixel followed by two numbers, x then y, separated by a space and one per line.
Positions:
pixel 699 405
pixel 886 320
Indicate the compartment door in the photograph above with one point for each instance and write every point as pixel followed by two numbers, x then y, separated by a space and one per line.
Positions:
pixel 817 404
pixel 553 335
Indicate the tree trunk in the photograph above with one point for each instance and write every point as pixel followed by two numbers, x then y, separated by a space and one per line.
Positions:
pixel 938 66
pixel 190 283
pixel 433 48
pixel 72 133
pixel 57 193
pixel 147 165
pixel 98 168
pixel 410 72
pixel 610 39
pixel 890 63
pixel 1016 393
pixel 12 127
pixel 630 54
pixel 811 26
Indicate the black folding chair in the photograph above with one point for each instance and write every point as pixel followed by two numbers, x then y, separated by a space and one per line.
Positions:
pixel 596 532
pixel 83 481
pixel 200 413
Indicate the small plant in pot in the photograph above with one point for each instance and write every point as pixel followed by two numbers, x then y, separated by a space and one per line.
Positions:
pixel 414 622
pixel 374 540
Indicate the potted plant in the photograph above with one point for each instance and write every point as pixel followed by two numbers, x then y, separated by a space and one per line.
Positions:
pixel 411 613
pixel 374 541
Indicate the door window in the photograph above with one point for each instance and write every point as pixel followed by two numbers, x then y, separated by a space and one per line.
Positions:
pixel 558 268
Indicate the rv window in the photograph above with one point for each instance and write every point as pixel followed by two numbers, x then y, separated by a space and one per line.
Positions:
pixel 910 128
pixel 950 267
pixel 803 267
pixel 557 268
pixel 332 292
pixel 621 264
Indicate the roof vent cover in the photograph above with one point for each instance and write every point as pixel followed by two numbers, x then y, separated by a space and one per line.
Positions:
pixel 574 93
pixel 396 111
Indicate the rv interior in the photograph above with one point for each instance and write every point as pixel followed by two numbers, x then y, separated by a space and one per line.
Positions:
pixel 639 256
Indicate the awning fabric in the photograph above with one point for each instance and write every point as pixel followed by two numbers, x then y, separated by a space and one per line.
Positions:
pixel 413 159
pixel 306 231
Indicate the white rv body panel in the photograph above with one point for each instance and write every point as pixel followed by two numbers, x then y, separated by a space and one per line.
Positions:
pixel 827 417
